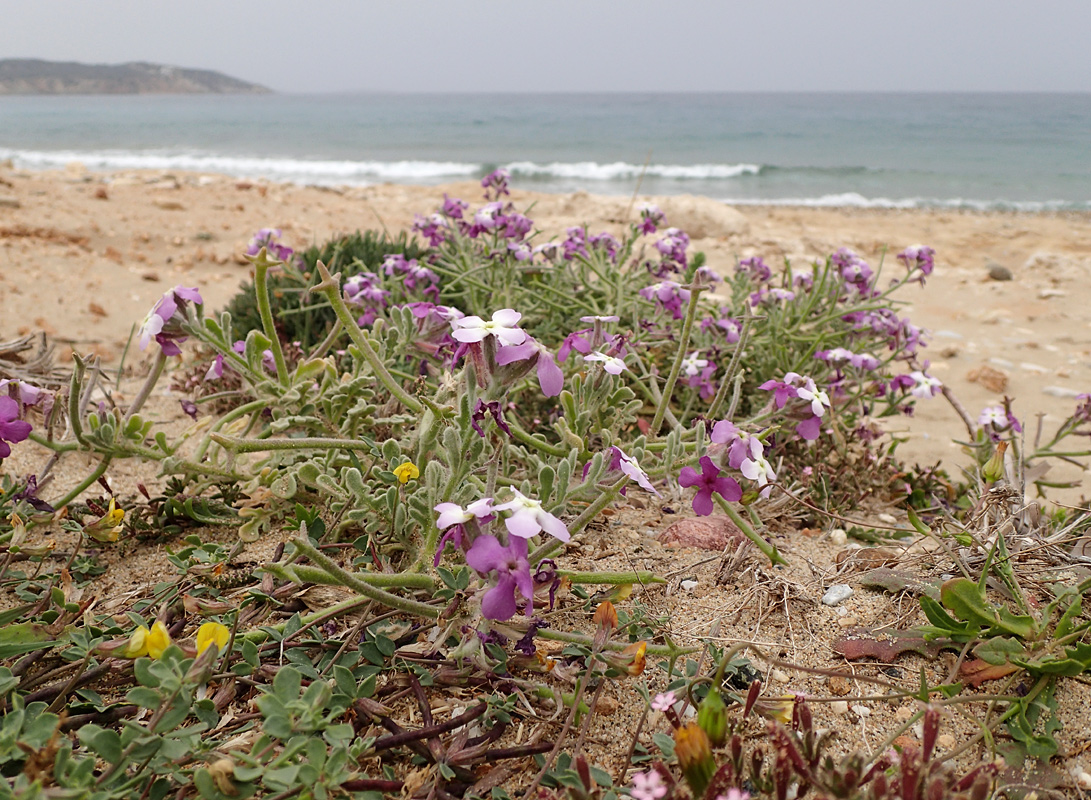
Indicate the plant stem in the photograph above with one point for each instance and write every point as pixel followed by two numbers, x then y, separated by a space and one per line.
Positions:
pixel 367 590
pixel 261 263
pixel 332 290
pixel 676 367
pixel 744 526
pixel 146 390
pixel 98 472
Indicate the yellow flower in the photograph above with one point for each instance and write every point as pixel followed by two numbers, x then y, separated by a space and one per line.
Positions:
pixel 212 633
pixel 138 643
pixel 107 527
pixel 406 472
pixel 158 640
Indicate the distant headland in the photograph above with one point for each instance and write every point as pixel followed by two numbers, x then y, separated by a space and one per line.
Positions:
pixel 34 76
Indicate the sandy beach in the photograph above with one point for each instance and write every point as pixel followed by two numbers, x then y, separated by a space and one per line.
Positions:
pixel 85 255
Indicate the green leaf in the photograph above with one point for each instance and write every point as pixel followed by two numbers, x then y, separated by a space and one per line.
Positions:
pixel 1000 650
pixel 967 601
pixel 1068 618
pixel 105 743
pixel 24 638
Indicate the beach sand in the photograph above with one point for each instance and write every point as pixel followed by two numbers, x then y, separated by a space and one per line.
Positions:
pixel 85 255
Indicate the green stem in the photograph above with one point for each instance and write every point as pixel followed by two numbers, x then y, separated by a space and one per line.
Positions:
pixel 367 590
pixel 237 445
pixel 146 390
pixel 261 263
pixel 98 472
pixel 528 439
pixel 676 367
pixel 302 573
pixel 744 526
pixel 553 545
pixel 332 290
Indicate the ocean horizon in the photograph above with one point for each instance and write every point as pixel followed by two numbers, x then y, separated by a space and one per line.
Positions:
pixel 981 151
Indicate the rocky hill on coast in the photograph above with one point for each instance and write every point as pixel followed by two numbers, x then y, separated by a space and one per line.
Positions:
pixel 34 76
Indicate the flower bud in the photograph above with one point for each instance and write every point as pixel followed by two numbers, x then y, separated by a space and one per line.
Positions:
pixel 694 754
pixel 631 660
pixel 204 606
pixel 994 467
pixel 712 717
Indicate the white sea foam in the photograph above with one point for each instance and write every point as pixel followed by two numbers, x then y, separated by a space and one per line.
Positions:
pixel 619 170
pixel 320 171
pixel 856 200
pixel 565 175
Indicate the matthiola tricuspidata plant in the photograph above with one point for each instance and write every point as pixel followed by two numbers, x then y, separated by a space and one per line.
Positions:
pixel 474 406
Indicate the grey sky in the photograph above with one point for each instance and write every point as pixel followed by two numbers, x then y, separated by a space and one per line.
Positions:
pixel 578 45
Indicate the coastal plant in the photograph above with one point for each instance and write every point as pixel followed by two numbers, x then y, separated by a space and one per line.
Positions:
pixel 446 414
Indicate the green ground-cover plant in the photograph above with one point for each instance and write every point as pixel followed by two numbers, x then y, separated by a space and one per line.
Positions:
pixel 442 419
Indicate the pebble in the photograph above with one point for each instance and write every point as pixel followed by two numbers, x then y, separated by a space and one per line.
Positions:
pixel 779 675
pixel 998 272
pixel 839 707
pixel 168 205
pixel 848 622
pixel 839 537
pixel 903 713
pixel 1003 363
pixel 1060 391
pixel 861 711
pixel 10 202
pixel 889 519
pixel 1045 294
pixel 945 741
pixel 839 685
pixel 837 593
pixel 948 335
pixel 1028 366
pixel 688 585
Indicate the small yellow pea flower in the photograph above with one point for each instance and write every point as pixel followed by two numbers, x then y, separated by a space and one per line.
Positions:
pixel 107 527
pixel 212 633
pixel 148 643
pixel 406 472
pixel 158 640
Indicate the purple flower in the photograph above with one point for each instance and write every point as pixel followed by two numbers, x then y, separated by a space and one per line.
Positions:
pixel 673 246
pixel 550 377
pixel 495 183
pixel 12 429
pixel 629 467
pixel 651 217
pixel 511 569
pixel 925 386
pixel 481 408
pixel 529 518
pixel 434 227
pixel 668 295
pixel 575 244
pixel 853 270
pixel 453 519
pixel 266 238
pixel 164 320
pixel 785 389
pixel 921 257
pixel 28 396
pixel 755 269
pixel 575 341
pixel 708 480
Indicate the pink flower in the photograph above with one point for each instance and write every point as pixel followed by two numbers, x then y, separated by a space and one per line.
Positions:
pixel 709 481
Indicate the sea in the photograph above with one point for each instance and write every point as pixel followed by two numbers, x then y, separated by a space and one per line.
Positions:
pixel 1028 152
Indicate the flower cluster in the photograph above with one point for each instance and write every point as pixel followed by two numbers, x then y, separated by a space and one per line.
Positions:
pixel 164 321
pixel 810 403
pixel 268 238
